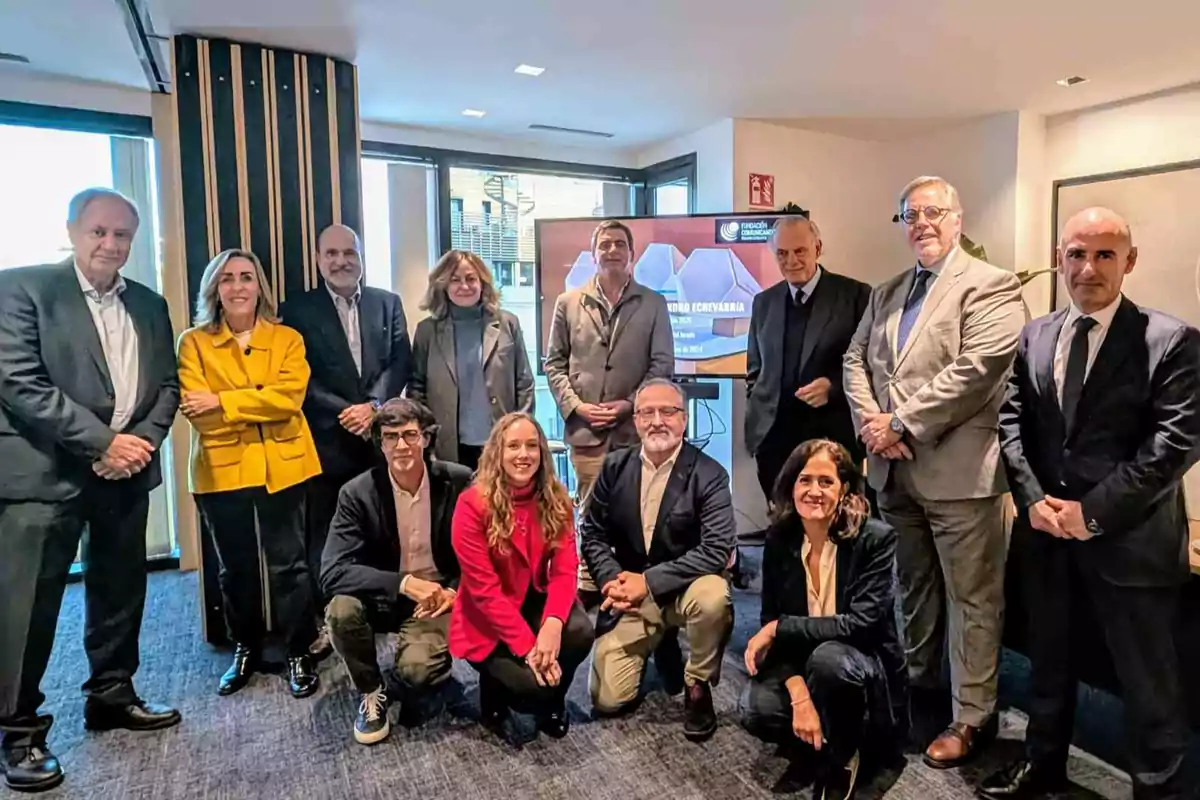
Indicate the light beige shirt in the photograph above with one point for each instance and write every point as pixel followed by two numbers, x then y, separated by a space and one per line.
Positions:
pixel 347 311
pixel 414 528
pixel 821 603
pixel 654 484
pixel 1062 350
pixel 118 339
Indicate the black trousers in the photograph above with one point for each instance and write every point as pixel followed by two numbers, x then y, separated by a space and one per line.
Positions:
pixel 38 543
pixel 840 679
pixel 1138 625
pixel 320 498
pixel 512 677
pixel 229 518
pixel 468 455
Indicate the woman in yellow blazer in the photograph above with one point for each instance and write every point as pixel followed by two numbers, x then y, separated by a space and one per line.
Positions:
pixel 243 377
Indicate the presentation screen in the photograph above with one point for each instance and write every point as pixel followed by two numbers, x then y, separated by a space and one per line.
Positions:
pixel 708 267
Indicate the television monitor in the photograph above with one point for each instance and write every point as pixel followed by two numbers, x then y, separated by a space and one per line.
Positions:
pixel 709 267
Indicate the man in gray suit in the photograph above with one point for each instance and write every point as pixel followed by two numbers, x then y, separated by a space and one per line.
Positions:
pixel 924 376
pixel 606 339
pixel 88 390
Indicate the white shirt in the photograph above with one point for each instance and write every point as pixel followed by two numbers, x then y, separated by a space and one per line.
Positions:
pixel 806 288
pixel 1062 349
pixel 118 339
pixel 414 529
pixel 347 311
pixel 821 603
pixel 654 484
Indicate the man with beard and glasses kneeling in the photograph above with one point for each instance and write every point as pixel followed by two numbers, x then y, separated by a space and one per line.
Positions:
pixel 657 536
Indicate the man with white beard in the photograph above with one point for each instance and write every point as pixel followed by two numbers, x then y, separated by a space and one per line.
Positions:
pixel 657 535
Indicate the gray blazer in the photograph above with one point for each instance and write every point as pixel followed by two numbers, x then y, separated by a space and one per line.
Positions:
pixel 434 377
pixel 947 384
pixel 589 360
pixel 56 395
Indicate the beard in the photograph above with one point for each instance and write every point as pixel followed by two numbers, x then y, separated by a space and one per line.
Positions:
pixel 660 442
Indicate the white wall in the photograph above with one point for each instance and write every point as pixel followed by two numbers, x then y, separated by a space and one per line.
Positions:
pixel 67 93
pixel 532 147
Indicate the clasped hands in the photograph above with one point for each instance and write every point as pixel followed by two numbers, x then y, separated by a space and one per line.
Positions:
pixel 126 456
pixel 1060 518
pixel 542 659
pixel 625 592
pixel 602 416
pixel 432 599
pixel 881 440
pixel 357 419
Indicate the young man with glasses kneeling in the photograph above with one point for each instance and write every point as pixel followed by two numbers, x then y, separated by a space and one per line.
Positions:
pixel 657 537
pixel 389 565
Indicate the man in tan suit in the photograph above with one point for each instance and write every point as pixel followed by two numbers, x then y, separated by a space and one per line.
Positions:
pixel 924 376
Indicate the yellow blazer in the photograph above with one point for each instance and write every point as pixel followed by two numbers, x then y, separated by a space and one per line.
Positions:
pixel 259 437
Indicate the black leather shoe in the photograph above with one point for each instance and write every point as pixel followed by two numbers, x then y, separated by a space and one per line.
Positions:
pixel 668 660
pixel 699 718
pixel 32 768
pixel 302 676
pixel 137 716
pixel 556 724
pixel 245 661
pixel 493 705
pixel 1024 779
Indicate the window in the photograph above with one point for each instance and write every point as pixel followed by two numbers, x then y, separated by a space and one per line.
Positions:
pixel 399 226
pixel 670 186
pixel 52 164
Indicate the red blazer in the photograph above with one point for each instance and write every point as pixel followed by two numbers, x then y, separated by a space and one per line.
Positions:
pixel 494 585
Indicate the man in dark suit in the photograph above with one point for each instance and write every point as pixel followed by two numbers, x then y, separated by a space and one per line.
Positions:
pixel 799 331
pixel 1100 422
pixel 356 339
pixel 88 391
pixel 657 536
pixel 389 565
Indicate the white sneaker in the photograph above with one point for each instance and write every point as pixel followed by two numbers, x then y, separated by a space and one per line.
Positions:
pixel 372 725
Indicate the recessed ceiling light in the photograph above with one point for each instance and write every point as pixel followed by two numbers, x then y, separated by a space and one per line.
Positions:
pixel 473 112
pixel 525 69
pixel 1074 80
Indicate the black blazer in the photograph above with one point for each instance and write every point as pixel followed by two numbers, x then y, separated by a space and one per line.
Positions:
pixel 56 395
pixel 1136 432
pixel 335 384
pixel 866 605
pixel 839 303
pixel 362 554
pixel 693 535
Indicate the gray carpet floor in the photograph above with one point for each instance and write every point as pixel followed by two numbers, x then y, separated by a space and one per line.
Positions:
pixel 263 743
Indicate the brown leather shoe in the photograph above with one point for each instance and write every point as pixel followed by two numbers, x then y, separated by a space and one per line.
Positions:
pixel 959 743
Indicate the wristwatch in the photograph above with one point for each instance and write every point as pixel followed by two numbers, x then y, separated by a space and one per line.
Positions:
pixel 1094 528
pixel 897 426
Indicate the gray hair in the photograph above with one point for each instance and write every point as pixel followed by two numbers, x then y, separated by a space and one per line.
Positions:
pixel 81 201
pixel 792 221
pixel 652 382
pixel 929 180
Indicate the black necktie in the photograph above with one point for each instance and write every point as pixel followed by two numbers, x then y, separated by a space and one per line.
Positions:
pixel 1077 359
pixel 912 307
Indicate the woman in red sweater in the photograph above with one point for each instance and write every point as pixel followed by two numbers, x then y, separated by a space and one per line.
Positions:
pixel 516 618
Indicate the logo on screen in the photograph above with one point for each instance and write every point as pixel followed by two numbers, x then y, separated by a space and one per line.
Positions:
pixel 744 231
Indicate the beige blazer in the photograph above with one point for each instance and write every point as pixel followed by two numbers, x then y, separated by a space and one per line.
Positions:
pixel 947 384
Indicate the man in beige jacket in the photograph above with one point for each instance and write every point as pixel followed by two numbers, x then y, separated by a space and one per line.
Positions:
pixel 924 376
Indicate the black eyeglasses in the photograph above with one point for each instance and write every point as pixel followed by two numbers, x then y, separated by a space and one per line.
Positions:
pixel 931 213
pixel 668 413
pixel 411 438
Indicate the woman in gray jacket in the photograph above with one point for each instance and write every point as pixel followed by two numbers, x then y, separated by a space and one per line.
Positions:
pixel 469 363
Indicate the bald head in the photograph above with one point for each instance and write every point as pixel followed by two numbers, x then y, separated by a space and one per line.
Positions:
pixel 339 257
pixel 1095 253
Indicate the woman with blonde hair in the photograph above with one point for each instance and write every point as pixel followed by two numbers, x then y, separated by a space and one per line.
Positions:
pixel 469 364
pixel 516 618
pixel 827 668
pixel 243 377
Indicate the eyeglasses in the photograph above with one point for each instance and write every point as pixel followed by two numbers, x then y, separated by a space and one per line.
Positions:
pixel 411 438
pixel 647 414
pixel 931 213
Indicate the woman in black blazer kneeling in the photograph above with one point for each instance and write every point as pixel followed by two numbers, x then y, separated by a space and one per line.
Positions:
pixel 827 668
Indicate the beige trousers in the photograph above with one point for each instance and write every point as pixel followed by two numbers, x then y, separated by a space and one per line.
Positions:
pixel 704 611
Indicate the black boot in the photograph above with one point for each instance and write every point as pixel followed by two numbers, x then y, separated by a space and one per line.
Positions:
pixel 245 661
pixel 302 676
pixel 553 720
pixel 30 766
pixel 493 704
